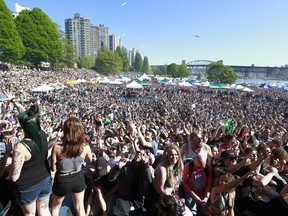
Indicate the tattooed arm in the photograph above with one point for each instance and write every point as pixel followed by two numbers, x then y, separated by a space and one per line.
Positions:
pixel 17 162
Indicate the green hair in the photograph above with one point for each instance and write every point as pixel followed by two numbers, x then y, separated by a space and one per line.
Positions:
pixel 30 123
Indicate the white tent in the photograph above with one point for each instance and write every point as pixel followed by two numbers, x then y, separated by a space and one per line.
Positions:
pixel 125 79
pixel 105 81
pixel 205 83
pixel 247 89
pixel 80 80
pixel 42 88
pixel 235 86
pixel 144 77
pixel 185 84
pixel 116 82
pixel 134 85
pixel 57 86
pixel 169 83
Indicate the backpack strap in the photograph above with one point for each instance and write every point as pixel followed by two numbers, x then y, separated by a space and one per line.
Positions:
pixel 191 164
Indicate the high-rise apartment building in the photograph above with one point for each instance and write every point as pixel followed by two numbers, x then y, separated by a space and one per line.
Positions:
pixel 114 42
pixel 18 9
pixel 103 37
pixel 83 36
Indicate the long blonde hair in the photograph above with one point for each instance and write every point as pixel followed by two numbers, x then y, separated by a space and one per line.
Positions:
pixel 177 169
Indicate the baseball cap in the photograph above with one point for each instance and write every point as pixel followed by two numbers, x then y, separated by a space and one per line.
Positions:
pixel 228 154
pixel 116 146
pixel 100 168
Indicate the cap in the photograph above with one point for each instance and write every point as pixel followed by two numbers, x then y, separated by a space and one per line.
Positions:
pixel 228 154
pixel 151 158
pixel 116 146
pixel 100 168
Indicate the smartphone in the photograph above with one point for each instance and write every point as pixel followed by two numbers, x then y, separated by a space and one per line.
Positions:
pixel 2 149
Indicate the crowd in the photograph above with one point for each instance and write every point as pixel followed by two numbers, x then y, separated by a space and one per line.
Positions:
pixel 167 151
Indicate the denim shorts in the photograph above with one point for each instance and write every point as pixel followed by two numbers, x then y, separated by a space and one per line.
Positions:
pixel 36 192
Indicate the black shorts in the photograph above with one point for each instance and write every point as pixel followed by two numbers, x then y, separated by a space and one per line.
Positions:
pixel 74 183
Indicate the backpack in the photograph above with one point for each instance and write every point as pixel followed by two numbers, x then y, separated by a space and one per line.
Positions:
pixel 181 190
pixel 191 165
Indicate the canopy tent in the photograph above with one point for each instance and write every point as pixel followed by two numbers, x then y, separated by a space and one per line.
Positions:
pixel 247 89
pixel 116 82
pixel 80 80
pixel 142 82
pixel 265 85
pixel 42 88
pixel 57 86
pixel 70 82
pixel 134 85
pixel 105 81
pixel 169 83
pixel 144 77
pixel 205 83
pixel 219 85
pixel 124 79
pixel 235 86
pixel 185 84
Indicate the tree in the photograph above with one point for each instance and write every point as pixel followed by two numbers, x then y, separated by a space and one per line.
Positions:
pixel 145 66
pixel 137 64
pixel 40 35
pixel 11 47
pixel 123 54
pixel 87 62
pixel 69 58
pixel 172 70
pixel 183 71
pixel 108 62
pixel 217 72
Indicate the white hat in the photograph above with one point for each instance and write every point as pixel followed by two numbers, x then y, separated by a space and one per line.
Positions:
pixel 152 158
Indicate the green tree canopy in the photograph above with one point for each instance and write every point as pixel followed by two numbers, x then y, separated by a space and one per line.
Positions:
pixel 145 66
pixel 87 62
pixel 183 71
pixel 172 70
pixel 40 35
pixel 123 54
pixel 138 62
pixel 11 47
pixel 108 62
pixel 217 72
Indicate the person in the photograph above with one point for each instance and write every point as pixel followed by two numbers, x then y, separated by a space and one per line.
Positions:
pixel 67 160
pixel 148 141
pixel 6 186
pixel 223 194
pixel 134 178
pixel 230 143
pixel 168 176
pixel 168 173
pixel 30 167
pixel 168 205
pixel 196 146
pixel 197 182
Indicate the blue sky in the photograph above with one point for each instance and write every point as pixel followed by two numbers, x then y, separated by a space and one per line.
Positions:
pixel 239 32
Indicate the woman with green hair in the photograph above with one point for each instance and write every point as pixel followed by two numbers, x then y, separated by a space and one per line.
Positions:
pixel 30 168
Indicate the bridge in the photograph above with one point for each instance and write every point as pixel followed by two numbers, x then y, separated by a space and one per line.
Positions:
pixel 199 66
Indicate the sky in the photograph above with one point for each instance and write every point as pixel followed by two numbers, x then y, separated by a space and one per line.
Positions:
pixel 239 32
